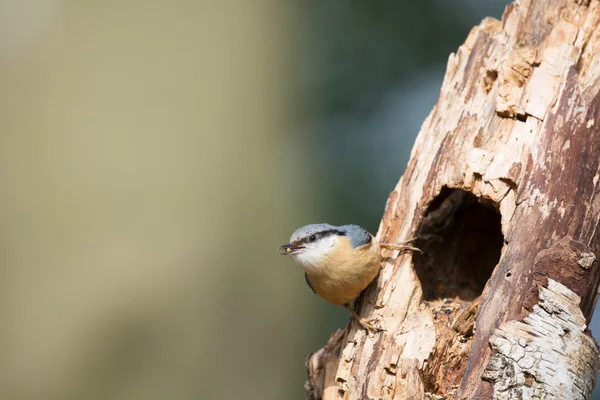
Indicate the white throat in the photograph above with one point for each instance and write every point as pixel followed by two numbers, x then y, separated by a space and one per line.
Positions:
pixel 314 255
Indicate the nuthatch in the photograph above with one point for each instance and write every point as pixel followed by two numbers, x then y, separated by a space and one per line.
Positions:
pixel 339 262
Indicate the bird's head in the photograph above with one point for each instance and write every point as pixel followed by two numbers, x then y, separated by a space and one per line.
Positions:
pixel 314 244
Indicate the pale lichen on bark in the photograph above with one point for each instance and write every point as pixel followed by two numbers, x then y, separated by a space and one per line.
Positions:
pixel 548 355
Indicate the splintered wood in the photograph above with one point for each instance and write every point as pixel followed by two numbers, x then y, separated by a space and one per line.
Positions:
pixel 502 191
pixel 546 356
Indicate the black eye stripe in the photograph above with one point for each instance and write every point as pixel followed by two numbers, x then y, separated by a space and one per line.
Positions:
pixel 321 235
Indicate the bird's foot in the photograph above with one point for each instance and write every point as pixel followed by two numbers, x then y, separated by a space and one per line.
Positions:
pixel 370 325
pixel 401 246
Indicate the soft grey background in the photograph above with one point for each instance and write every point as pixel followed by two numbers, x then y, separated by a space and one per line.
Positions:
pixel 153 156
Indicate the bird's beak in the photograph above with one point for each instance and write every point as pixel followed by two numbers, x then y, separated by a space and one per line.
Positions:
pixel 290 248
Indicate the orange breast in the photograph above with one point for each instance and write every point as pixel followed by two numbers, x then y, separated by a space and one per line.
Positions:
pixel 346 272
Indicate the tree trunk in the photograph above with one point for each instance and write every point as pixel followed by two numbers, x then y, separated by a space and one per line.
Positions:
pixel 501 191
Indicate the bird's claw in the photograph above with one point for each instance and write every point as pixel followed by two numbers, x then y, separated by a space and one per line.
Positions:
pixel 369 325
pixel 399 246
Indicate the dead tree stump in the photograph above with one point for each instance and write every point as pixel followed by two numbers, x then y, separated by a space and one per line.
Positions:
pixel 502 192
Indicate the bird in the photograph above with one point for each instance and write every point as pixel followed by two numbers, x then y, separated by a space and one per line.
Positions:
pixel 339 262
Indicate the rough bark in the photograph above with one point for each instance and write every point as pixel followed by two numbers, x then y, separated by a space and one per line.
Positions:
pixel 502 192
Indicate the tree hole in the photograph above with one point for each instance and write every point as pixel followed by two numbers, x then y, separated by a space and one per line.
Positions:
pixel 461 239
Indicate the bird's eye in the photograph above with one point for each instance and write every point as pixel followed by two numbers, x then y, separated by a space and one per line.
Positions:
pixel 312 238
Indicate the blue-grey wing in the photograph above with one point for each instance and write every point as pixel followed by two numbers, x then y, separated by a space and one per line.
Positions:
pixel 308 283
pixel 357 235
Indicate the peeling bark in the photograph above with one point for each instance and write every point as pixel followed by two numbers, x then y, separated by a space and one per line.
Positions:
pixel 546 356
pixel 502 192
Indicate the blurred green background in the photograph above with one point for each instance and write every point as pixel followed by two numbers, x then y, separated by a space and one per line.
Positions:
pixel 155 154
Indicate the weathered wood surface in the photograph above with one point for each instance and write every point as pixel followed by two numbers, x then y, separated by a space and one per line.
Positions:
pixel 502 190
pixel 548 354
